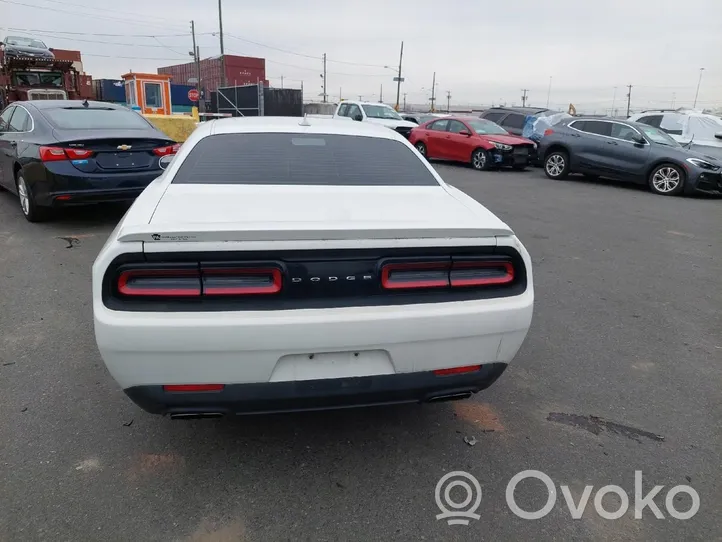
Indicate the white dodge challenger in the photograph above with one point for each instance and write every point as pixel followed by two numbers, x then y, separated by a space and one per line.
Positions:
pixel 284 264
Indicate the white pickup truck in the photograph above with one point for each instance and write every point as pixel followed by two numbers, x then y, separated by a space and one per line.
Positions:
pixel 376 113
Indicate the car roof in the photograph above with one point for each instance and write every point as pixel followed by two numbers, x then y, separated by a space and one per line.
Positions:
pixel 524 110
pixel 365 103
pixel 296 125
pixel 63 104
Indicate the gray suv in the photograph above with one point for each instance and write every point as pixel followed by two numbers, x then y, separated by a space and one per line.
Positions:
pixel 627 151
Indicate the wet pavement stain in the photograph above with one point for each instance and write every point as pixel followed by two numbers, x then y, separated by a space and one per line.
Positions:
pixel 596 425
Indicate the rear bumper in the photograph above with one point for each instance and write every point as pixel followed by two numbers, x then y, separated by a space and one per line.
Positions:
pixel 62 185
pixel 261 398
pixel 259 347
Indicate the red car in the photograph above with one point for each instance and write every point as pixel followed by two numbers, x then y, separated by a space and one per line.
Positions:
pixel 479 142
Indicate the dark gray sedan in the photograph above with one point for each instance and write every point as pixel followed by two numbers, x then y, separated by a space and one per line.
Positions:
pixel 627 151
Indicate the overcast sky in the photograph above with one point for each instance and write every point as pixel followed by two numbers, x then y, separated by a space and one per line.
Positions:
pixel 483 52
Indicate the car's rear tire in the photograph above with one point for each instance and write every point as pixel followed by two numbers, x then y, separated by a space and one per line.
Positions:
pixel 556 165
pixel 31 211
pixel 667 180
pixel 481 160
pixel 421 147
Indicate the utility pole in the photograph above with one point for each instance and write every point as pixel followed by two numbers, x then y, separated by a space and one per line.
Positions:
pixel 448 101
pixel 381 94
pixel 523 96
pixel 629 99
pixel 197 62
pixel 549 92
pixel 340 97
pixel 323 76
pixel 433 93
pixel 674 98
pixel 360 98
pixel 698 84
pixel 614 99
pixel 282 81
pixel 404 101
pixel 398 78
pixel 223 57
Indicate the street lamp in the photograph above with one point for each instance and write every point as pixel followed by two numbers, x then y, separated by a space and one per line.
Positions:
pixel 698 84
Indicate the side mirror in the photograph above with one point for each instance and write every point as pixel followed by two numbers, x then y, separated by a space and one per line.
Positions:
pixel 359 117
pixel 465 133
pixel 165 161
pixel 639 140
pixel 718 135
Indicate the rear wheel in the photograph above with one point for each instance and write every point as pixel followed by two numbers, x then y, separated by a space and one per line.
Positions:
pixel 666 180
pixel 421 147
pixel 480 160
pixel 30 210
pixel 556 165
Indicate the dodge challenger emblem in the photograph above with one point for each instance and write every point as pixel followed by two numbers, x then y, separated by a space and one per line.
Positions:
pixel 124 147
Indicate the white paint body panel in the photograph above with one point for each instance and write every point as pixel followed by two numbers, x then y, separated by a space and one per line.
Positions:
pixel 147 348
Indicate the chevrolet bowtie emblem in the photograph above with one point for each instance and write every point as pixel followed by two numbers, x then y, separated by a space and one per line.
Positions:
pixel 124 147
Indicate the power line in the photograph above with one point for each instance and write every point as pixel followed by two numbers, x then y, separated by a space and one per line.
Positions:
pixel 28 30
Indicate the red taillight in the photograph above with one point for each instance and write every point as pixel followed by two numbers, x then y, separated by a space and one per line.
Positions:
pixel 56 154
pixel 169 149
pixel 481 273
pixel 548 131
pixel 246 281
pixel 457 370
pixel 52 154
pixel 396 276
pixel 193 387
pixel 194 282
pixel 160 282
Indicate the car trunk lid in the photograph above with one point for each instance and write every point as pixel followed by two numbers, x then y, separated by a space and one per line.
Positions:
pixel 201 212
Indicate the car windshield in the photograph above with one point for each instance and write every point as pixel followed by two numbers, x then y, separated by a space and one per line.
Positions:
pixel 381 112
pixel 25 42
pixel 484 127
pixel 658 136
pixel 81 118
pixel 303 159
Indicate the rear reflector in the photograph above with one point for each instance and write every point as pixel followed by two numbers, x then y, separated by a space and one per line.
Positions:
pixel 457 370
pixel 248 281
pixel 481 273
pixel 193 387
pixel 397 276
pixel 160 282
pixel 548 131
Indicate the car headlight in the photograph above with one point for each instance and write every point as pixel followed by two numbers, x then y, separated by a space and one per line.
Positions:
pixel 704 164
pixel 501 146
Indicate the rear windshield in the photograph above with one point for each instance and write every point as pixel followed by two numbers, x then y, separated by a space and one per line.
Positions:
pixel 81 118
pixel 303 159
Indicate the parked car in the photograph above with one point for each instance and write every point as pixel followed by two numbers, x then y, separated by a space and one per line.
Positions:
pixel 627 151
pixel 20 46
pixel 697 131
pixel 421 118
pixel 479 142
pixel 374 113
pixel 512 119
pixel 275 267
pixel 56 153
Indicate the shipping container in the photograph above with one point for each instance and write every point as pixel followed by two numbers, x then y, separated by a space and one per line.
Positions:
pixel 109 90
pixel 240 70
pixel 179 95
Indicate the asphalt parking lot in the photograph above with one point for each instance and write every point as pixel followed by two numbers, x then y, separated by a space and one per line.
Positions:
pixel 621 371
